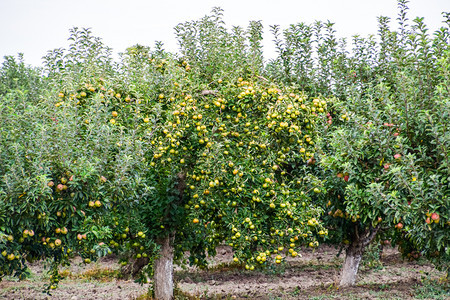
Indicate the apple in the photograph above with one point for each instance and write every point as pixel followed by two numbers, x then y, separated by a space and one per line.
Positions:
pixel 435 217
pixel 397 156
pixel 59 187
pixel 311 161
pixel 346 178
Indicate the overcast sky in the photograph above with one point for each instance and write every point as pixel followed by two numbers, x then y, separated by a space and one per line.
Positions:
pixel 35 26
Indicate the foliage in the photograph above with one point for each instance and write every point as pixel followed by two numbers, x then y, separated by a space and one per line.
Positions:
pixel 17 76
pixel 217 53
pixel 385 147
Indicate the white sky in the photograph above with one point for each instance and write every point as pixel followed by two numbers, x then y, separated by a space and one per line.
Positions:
pixel 35 26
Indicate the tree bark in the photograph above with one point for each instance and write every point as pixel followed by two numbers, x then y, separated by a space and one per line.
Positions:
pixel 163 276
pixel 351 264
pixel 353 255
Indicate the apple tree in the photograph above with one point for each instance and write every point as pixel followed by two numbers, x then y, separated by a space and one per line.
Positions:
pixel 384 143
pixel 57 160
pixel 226 154
pixel 387 152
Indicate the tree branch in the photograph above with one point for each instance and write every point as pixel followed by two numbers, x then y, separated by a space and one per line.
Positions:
pixel 209 92
pixel 372 233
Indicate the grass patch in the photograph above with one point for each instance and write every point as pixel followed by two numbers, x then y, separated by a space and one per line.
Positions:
pixel 432 289
pixel 97 273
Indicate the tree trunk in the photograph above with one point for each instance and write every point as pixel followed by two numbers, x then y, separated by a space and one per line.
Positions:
pixel 350 269
pixel 163 276
pixel 353 254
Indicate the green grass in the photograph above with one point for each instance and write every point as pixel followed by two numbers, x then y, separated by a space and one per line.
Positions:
pixel 433 289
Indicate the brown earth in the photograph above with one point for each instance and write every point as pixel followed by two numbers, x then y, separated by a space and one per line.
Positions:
pixel 315 274
pixel 312 276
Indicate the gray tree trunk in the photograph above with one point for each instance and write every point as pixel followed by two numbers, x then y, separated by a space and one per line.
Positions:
pixel 353 254
pixel 163 276
pixel 351 265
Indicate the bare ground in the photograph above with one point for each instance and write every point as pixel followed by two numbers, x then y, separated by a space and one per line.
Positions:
pixel 313 276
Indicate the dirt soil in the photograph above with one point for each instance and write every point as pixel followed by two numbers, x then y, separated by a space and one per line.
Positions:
pixel 312 276
pixel 75 286
pixel 315 274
